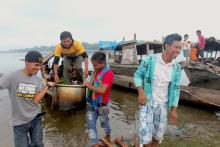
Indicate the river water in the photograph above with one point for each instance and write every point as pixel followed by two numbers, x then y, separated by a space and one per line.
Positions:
pixel 196 126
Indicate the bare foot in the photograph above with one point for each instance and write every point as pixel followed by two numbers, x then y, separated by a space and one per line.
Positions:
pixel 135 140
pixel 106 143
pixel 119 141
pixel 108 138
pixel 97 145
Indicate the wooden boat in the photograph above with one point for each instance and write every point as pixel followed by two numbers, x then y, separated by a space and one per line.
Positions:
pixel 124 81
pixel 198 72
pixel 200 96
pixel 194 95
pixel 125 63
pixel 209 71
pixel 128 55
pixel 202 75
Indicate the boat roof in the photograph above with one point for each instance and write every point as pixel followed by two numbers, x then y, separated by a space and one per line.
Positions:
pixel 127 42
pixel 150 42
pixel 138 44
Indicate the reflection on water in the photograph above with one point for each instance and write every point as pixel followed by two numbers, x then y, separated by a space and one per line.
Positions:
pixel 63 128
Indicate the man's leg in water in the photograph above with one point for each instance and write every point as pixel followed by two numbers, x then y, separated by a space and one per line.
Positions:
pixel 67 68
pixel 78 67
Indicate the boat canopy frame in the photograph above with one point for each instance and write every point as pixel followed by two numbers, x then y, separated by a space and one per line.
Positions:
pixel 139 49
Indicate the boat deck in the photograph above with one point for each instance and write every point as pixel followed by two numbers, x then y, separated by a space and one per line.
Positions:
pixel 201 95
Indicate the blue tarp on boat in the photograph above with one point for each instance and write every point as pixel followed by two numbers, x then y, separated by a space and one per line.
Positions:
pixel 109 45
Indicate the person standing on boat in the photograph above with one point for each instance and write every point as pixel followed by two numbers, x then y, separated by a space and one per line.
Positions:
pixel 26 91
pixel 186 47
pixel 158 82
pixel 98 95
pixel 201 44
pixel 73 54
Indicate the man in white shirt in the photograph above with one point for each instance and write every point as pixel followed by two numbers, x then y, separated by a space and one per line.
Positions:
pixel 157 80
pixel 186 47
pixel 161 80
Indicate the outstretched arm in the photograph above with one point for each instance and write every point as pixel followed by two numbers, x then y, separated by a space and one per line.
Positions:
pixel 86 62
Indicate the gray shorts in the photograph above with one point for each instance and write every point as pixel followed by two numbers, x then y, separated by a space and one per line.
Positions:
pixel 186 53
pixel 72 69
pixel 200 53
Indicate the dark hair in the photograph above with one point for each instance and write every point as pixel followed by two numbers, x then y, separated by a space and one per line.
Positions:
pixel 99 57
pixel 198 31
pixel 186 35
pixel 65 34
pixel 169 39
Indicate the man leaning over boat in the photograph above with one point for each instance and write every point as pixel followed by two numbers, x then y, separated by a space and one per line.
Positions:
pixel 73 54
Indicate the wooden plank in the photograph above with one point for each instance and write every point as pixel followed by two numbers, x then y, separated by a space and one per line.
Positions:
pixel 215 68
pixel 201 95
pixel 124 81
pixel 197 72
pixel 124 65
pixel 188 93
pixel 126 72
pixel 125 78
pixel 148 49
pixel 48 57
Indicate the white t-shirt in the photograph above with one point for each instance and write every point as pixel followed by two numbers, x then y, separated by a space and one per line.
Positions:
pixel 186 45
pixel 161 80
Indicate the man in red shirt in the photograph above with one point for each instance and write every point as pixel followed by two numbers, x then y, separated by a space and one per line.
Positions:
pixel 201 44
pixel 98 95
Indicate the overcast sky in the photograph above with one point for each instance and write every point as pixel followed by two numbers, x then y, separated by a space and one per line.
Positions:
pixel 29 23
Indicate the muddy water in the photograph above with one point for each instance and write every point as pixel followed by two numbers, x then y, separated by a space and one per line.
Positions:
pixel 196 127
pixel 68 129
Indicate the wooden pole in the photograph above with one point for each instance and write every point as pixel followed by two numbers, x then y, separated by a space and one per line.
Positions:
pixel 163 47
pixel 147 49
pixel 48 57
pixel 135 37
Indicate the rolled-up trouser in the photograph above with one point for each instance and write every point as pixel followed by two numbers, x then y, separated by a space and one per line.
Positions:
pixel 73 65
pixel 92 114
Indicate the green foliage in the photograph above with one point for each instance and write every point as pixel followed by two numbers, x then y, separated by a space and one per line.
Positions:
pixel 62 80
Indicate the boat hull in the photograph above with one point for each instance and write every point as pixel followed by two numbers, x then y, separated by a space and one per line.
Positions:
pixel 200 96
pixel 199 74
pixel 193 95
pixel 124 69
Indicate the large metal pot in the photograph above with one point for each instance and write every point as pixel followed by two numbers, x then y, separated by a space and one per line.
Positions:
pixel 67 97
